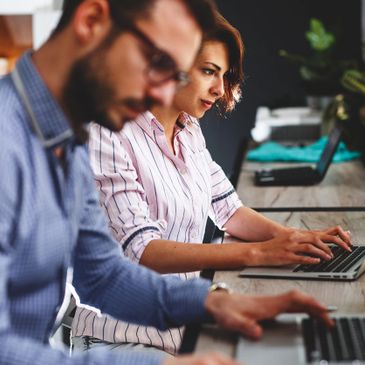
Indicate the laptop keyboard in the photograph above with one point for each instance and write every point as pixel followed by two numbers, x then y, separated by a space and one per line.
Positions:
pixel 343 261
pixel 345 342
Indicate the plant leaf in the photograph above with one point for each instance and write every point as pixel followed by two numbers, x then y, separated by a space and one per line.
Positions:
pixel 318 37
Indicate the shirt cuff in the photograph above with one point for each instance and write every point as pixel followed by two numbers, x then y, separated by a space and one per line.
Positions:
pixel 226 208
pixel 187 301
pixel 134 245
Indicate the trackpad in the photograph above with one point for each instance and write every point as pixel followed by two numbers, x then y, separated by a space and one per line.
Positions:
pixel 282 343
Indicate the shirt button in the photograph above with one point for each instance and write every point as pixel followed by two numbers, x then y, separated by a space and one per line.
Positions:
pixel 183 170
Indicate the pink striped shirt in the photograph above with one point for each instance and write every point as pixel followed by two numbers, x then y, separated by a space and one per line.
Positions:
pixel 150 193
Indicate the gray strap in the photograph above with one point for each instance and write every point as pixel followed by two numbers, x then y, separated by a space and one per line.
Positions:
pixel 23 95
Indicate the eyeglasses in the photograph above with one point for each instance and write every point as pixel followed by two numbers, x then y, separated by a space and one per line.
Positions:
pixel 161 68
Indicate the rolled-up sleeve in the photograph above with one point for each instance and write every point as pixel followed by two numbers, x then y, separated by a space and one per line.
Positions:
pixel 121 195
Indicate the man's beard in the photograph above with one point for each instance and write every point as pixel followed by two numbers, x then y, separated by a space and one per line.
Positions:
pixel 86 98
pixel 88 93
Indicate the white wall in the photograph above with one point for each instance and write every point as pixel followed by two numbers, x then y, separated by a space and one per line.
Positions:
pixel 45 15
pixel 43 24
pixel 13 7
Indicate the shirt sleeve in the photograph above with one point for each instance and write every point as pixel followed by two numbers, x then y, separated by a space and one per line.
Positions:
pixel 121 195
pixel 225 200
pixel 17 349
pixel 107 280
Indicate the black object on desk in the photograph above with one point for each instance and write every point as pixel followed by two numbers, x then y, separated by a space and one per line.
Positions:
pixel 305 175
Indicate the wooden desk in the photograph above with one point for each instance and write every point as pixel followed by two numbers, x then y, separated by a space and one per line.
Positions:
pixel 343 187
pixel 349 297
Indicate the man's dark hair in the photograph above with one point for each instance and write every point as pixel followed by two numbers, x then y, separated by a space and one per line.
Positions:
pixel 126 11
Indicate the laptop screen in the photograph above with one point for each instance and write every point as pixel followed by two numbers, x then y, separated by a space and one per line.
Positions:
pixel 330 149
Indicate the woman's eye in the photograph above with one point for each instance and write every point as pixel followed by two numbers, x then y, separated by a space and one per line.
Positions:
pixel 208 71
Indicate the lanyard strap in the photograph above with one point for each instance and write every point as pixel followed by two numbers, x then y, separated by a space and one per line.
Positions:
pixel 19 86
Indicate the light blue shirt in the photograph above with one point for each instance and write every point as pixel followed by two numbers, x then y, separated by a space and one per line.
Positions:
pixel 50 220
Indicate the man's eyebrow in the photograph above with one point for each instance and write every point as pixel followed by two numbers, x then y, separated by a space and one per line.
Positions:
pixel 214 65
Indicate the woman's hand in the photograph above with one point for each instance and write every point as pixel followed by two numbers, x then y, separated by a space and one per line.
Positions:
pixel 295 246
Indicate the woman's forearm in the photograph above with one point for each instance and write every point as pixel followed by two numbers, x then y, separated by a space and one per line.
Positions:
pixel 249 225
pixel 166 256
pixel 286 248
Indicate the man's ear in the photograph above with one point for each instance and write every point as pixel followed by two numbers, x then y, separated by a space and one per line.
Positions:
pixel 91 21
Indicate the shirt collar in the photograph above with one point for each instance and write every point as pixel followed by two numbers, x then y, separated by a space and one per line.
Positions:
pixel 53 128
pixel 185 121
pixel 148 122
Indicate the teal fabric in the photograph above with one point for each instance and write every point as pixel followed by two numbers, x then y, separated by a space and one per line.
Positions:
pixel 271 151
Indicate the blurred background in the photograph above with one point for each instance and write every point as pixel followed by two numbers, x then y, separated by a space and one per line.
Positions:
pixel 266 27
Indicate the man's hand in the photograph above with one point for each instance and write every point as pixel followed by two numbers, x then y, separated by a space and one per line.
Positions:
pixel 289 246
pixel 205 359
pixel 241 313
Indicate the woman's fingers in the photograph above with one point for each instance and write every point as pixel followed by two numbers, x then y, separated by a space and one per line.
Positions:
pixel 312 250
pixel 321 240
pixel 303 260
pixel 339 231
pixel 317 242
pixel 336 240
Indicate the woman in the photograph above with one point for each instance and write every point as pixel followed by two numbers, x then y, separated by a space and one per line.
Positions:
pixel 158 183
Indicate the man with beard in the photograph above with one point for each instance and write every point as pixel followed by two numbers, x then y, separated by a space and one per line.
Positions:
pixel 107 61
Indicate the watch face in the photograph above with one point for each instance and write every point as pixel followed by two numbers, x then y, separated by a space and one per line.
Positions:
pixel 219 286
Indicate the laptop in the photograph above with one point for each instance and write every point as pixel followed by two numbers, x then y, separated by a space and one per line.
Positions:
pixel 303 175
pixel 298 340
pixel 345 266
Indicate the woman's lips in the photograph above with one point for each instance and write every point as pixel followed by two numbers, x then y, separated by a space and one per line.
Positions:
pixel 207 103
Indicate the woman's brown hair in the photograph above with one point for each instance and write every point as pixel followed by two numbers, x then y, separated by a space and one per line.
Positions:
pixel 224 32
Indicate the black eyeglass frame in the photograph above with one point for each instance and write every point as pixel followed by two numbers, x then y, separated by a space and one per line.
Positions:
pixel 161 66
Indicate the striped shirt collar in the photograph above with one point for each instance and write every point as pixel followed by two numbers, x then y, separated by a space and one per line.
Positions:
pixel 149 123
pixel 51 121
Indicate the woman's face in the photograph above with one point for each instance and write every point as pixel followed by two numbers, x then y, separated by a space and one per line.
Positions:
pixel 207 80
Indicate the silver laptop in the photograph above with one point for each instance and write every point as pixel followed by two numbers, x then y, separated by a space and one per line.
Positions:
pixel 297 340
pixel 344 266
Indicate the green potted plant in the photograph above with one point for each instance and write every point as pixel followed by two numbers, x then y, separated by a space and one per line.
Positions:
pixel 320 71
pixel 348 108
pixel 353 81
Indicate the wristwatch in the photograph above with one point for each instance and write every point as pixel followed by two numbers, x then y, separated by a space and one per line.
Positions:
pixel 219 286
